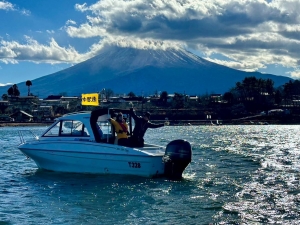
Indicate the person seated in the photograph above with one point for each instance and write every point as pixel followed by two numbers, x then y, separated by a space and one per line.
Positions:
pixel 99 131
pixel 121 128
pixel 141 125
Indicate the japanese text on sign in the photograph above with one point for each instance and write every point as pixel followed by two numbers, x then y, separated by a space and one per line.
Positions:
pixel 90 99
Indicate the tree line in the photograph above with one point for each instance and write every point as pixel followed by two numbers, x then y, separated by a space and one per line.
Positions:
pixel 14 90
pixel 250 95
pixel 260 94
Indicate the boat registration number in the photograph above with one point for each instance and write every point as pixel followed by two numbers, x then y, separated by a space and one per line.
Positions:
pixel 134 164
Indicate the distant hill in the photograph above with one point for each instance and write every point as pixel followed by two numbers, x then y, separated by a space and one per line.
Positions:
pixel 142 71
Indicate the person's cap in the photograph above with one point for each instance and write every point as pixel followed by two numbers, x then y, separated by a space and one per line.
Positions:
pixel 147 114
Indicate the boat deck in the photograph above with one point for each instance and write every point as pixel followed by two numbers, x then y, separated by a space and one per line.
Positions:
pixel 153 150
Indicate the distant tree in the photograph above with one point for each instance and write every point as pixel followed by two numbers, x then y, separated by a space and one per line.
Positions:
pixel 228 96
pixel 16 91
pixel 108 93
pixel 203 100
pixel 164 97
pixel 28 84
pixel 10 91
pixel 4 97
pixel 278 97
pixel 131 94
pixel 291 90
pixel 269 86
pixel 178 101
pixel 13 91
pixel 255 93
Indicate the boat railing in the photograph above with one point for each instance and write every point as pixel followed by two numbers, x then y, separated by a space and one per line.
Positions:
pixel 152 148
pixel 23 134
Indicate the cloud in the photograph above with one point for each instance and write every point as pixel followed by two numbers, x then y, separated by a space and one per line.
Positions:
pixel 250 33
pixel 6 6
pixel 50 31
pixel 12 51
pixel 25 12
pixel 295 74
pixel 1 85
pixel 243 65
pixel 72 22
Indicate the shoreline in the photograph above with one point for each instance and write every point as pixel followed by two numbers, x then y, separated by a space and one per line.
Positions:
pixel 172 123
pixel 18 124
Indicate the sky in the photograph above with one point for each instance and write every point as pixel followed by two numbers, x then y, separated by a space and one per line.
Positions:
pixel 41 37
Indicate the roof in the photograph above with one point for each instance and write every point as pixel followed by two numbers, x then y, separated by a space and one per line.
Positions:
pixel 22 97
pixel 53 97
pixel 23 112
pixel 69 97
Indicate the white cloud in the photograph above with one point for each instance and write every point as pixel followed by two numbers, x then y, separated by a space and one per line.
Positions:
pixel 85 31
pixel 70 22
pixel 12 51
pixel 81 8
pixel 25 12
pixel 250 33
pixel 243 65
pixel 4 5
pixel 295 74
pixel 50 31
pixel 1 85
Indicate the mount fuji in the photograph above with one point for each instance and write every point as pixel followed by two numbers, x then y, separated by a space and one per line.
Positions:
pixel 142 71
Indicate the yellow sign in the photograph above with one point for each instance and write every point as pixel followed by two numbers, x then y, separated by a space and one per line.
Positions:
pixel 90 99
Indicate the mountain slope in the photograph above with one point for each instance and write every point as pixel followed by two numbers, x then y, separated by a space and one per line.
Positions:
pixel 127 69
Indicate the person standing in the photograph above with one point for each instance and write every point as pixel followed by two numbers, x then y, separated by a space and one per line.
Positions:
pixel 142 123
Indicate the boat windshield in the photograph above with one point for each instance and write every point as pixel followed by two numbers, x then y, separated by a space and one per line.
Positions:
pixel 67 128
pixel 105 127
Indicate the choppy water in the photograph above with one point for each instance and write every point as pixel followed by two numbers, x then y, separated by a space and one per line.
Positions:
pixel 239 175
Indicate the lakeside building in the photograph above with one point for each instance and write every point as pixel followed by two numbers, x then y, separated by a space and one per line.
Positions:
pixel 57 105
pixel 215 97
pixel 21 116
pixel 4 103
pixel 25 103
pixel 31 108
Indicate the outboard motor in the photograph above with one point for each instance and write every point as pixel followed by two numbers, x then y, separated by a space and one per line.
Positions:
pixel 177 157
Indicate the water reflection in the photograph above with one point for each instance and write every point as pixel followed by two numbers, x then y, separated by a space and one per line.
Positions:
pixel 239 175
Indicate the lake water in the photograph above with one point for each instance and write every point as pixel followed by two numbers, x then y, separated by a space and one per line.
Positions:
pixel 239 175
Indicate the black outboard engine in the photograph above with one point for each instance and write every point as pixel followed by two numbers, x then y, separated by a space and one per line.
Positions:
pixel 177 157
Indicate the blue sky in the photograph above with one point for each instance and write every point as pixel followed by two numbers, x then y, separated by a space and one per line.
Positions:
pixel 41 37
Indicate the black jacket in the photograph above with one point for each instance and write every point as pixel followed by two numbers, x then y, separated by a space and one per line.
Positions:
pixel 142 125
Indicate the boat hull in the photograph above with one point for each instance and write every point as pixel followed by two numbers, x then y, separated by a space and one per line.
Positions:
pixel 93 158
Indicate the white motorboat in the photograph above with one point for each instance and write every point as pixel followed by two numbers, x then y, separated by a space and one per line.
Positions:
pixel 73 144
